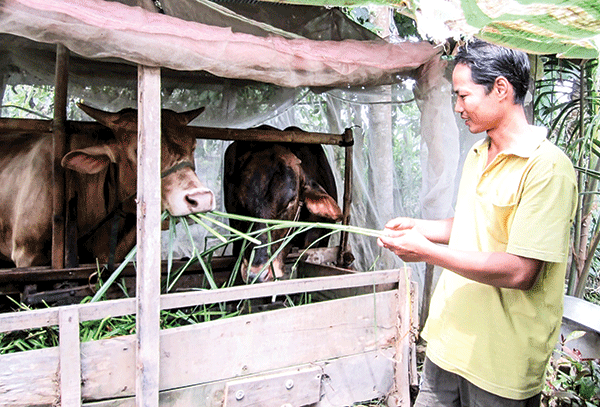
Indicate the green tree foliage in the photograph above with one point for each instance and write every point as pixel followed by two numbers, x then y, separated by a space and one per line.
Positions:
pixel 568 104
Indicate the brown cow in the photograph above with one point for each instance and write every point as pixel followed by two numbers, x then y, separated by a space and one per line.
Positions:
pixel 103 174
pixel 278 181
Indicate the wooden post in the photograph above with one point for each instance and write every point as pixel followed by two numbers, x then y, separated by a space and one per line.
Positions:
pixel 59 137
pixel 148 237
pixel 3 80
pixel 427 291
pixel 345 257
pixel 70 357
pixel 401 396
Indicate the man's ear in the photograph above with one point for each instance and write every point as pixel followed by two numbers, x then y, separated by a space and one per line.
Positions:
pixel 502 88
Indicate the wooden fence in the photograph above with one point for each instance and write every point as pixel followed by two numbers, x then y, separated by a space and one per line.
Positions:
pixel 329 353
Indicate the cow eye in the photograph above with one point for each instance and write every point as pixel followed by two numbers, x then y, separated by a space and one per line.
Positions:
pixel 291 206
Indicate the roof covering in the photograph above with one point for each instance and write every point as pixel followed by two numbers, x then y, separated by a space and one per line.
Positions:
pixel 297 46
pixel 567 28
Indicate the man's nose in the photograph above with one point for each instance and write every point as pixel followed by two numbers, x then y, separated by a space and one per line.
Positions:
pixel 457 107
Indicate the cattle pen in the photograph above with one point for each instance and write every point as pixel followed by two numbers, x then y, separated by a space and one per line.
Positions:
pixel 357 345
pixel 354 346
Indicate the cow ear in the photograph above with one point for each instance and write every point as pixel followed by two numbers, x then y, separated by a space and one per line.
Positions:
pixel 123 120
pixel 89 160
pixel 186 117
pixel 320 203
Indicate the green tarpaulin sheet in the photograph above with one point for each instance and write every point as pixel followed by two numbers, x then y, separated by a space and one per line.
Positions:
pixel 567 28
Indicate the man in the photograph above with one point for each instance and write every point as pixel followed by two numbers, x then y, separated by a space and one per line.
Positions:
pixel 496 310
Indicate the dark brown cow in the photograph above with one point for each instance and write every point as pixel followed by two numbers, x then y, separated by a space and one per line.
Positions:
pixel 103 174
pixel 278 181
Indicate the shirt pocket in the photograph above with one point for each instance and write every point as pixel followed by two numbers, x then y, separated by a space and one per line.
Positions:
pixel 497 213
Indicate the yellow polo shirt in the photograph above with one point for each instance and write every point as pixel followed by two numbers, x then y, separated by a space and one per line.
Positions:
pixel 523 203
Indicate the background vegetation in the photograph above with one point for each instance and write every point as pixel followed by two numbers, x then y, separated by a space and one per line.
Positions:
pixel 567 102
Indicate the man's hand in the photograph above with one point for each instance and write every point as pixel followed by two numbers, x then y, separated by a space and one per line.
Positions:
pixel 405 242
pixel 399 224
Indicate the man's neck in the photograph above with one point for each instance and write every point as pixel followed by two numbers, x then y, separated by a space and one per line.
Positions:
pixel 509 133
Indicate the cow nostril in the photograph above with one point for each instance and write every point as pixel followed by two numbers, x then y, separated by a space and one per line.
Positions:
pixel 200 201
pixel 190 200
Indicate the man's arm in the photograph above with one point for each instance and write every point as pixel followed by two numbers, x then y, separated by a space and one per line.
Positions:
pixel 436 231
pixel 498 269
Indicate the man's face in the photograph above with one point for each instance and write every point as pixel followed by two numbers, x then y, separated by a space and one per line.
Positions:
pixel 478 109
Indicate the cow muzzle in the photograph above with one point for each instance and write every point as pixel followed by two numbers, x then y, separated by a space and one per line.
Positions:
pixel 184 194
pixel 260 273
pixel 186 202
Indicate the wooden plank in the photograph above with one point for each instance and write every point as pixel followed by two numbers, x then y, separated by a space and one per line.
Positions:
pixel 341 385
pixel 278 288
pixel 298 387
pixel 15 321
pixel 414 304
pixel 82 272
pixel 59 143
pixel 70 358
pixel 30 378
pixel 148 237
pixel 358 378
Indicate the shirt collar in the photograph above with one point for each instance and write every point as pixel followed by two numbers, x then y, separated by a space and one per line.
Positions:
pixel 525 149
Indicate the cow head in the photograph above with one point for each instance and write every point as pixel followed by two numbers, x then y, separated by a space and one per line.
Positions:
pixel 272 183
pixel 182 191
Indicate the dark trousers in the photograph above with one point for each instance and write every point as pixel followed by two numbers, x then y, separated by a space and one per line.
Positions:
pixel 440 388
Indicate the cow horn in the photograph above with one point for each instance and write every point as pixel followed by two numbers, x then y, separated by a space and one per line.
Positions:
pixel 97 114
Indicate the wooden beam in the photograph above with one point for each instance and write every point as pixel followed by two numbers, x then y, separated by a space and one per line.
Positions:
pixel 148 237
pixel 272 135
pixel 210 133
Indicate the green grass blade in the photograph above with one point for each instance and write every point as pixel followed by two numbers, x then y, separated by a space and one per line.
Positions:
pixel 114 275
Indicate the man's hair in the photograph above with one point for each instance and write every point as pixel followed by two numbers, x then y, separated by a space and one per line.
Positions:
pixel 488 62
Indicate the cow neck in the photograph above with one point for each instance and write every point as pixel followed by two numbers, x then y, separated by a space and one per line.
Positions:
pixel 117 214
